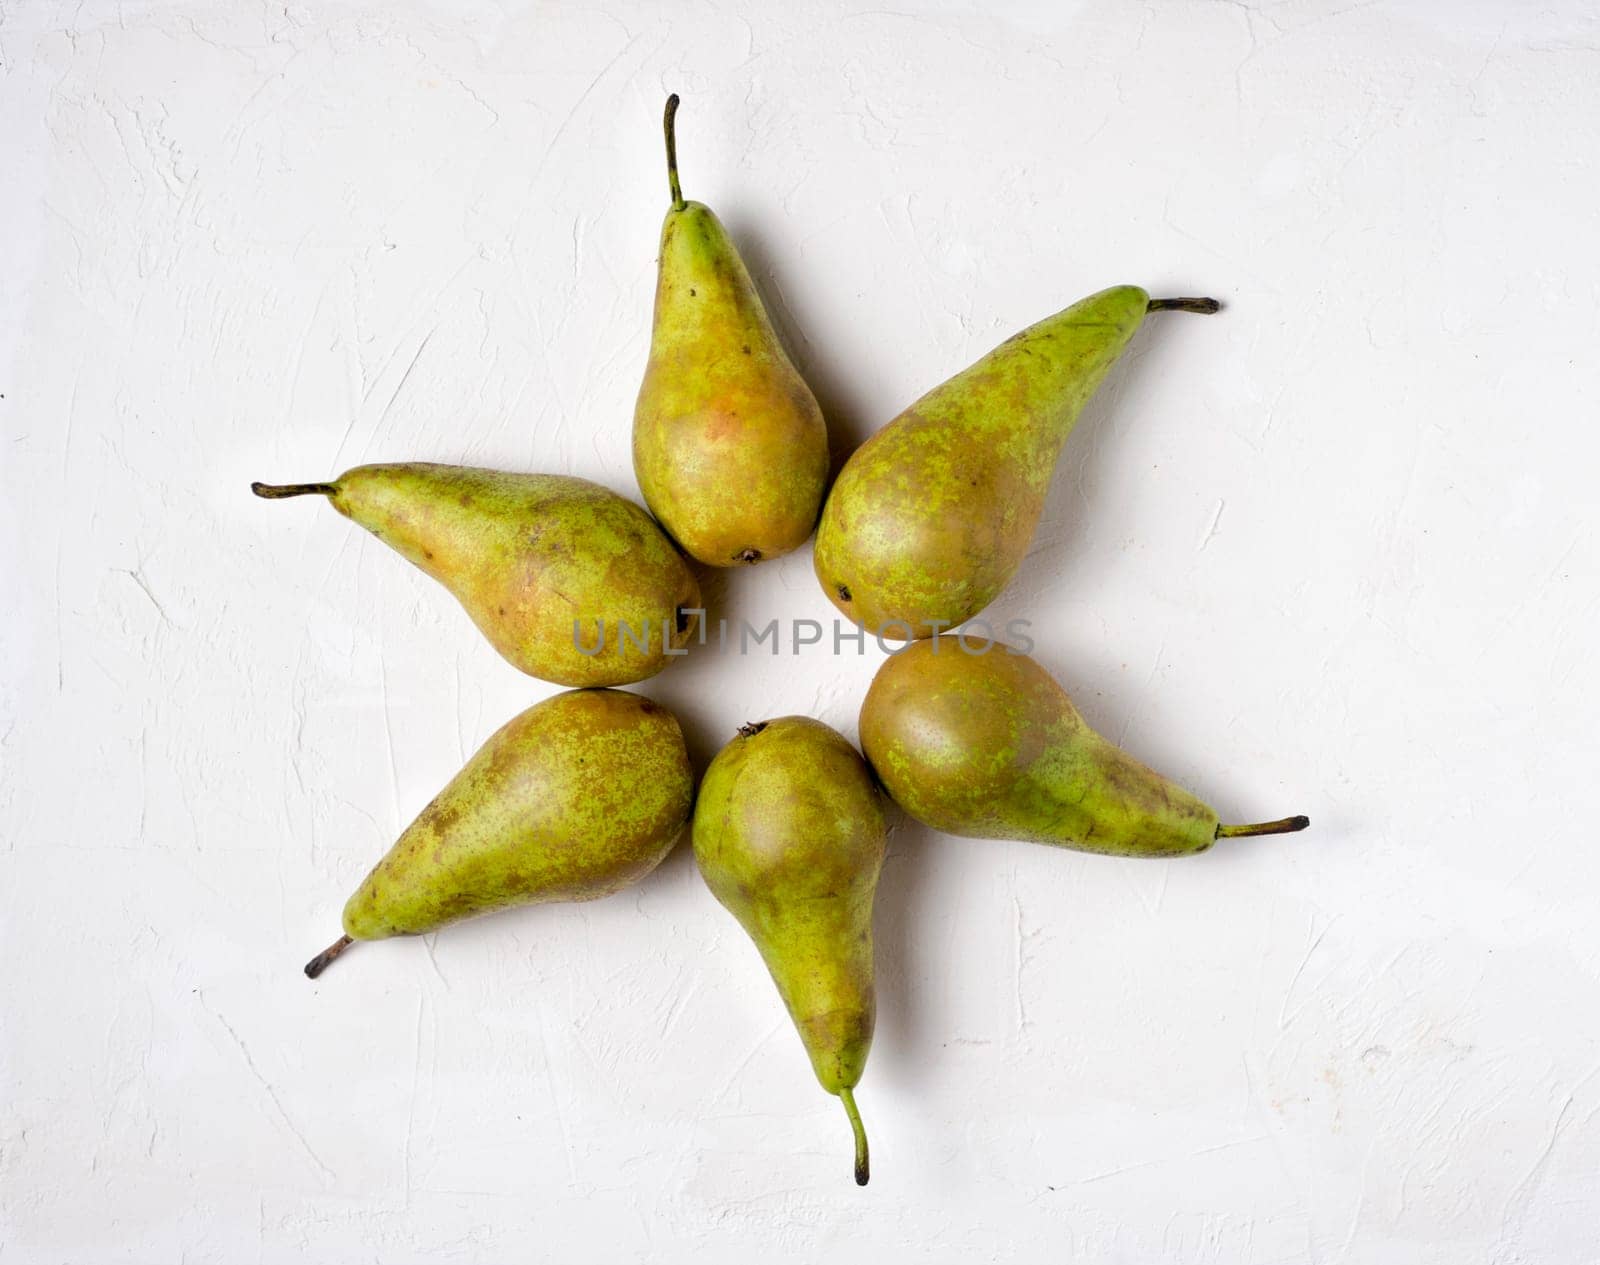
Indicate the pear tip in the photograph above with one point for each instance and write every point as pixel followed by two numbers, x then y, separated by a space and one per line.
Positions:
pixel 1205 307
pixel 318 964
pixel 278 491
pixel 669 125
pixel 863 1171
pixel 751 728
pixel 1284 826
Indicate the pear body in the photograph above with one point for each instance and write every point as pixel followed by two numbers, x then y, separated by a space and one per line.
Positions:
pixel 729 446
pixel 549 567
pixel 577 797
pixel 991 747
pixel 930 518
pixel 789 834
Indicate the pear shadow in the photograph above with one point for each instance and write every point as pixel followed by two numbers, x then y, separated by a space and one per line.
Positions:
pixel 1059 549
pixel 903 1040
pixel 676 863
pixel 1235 797
pixel 702 738
pixel 1076 490
pixel 527 923
pixel 690 682
pixel 843 408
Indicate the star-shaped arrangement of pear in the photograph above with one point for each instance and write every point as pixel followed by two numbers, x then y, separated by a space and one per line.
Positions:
pixel 925 525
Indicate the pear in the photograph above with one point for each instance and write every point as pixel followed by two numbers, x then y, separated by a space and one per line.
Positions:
pixel 577 797
pixel 988 745
pixel 729 446
pixel 569 581
pixel 931 516
pixel 789 834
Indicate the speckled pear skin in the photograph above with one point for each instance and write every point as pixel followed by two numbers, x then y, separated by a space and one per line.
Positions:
pixel 577 797
pixel 526 555
pixel 991 747
pixel 931 516
pixel 789 833
pixel 729 446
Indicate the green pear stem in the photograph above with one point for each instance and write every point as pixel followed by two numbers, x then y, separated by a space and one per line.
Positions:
pixel 318 964
pixel 849 1100
pixel 1285 827
pixel 1206 307
pixel 669 125
pixel 277 491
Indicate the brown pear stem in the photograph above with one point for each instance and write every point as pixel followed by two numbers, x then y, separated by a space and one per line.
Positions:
pixel 669 124
pixel 1205 307
pixel 318 964
pixel 1285 827
pixel 849 1100
pixel 277 491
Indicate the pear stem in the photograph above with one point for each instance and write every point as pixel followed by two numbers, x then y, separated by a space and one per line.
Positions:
pixel 849 1100
pixel 1285 827
pixel 1206 307
pixel 277 491
pixel 669 125
pixel 318 964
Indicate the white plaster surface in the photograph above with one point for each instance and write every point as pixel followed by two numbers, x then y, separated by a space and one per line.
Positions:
pixel 1332 552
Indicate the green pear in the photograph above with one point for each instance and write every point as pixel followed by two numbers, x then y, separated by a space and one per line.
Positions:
pixel 577 797
pixel 729 446
pixel 569 581
pixel 931 516
pixel 789 834
pixel 988 745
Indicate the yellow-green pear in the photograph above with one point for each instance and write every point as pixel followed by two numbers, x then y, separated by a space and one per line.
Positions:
pixel 577 797
pixel 729 446
pixel 789 834
pixel 931 516
pixel 988 745
pixel 569 581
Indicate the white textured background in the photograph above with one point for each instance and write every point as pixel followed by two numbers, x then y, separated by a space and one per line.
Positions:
pixel 1333 552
